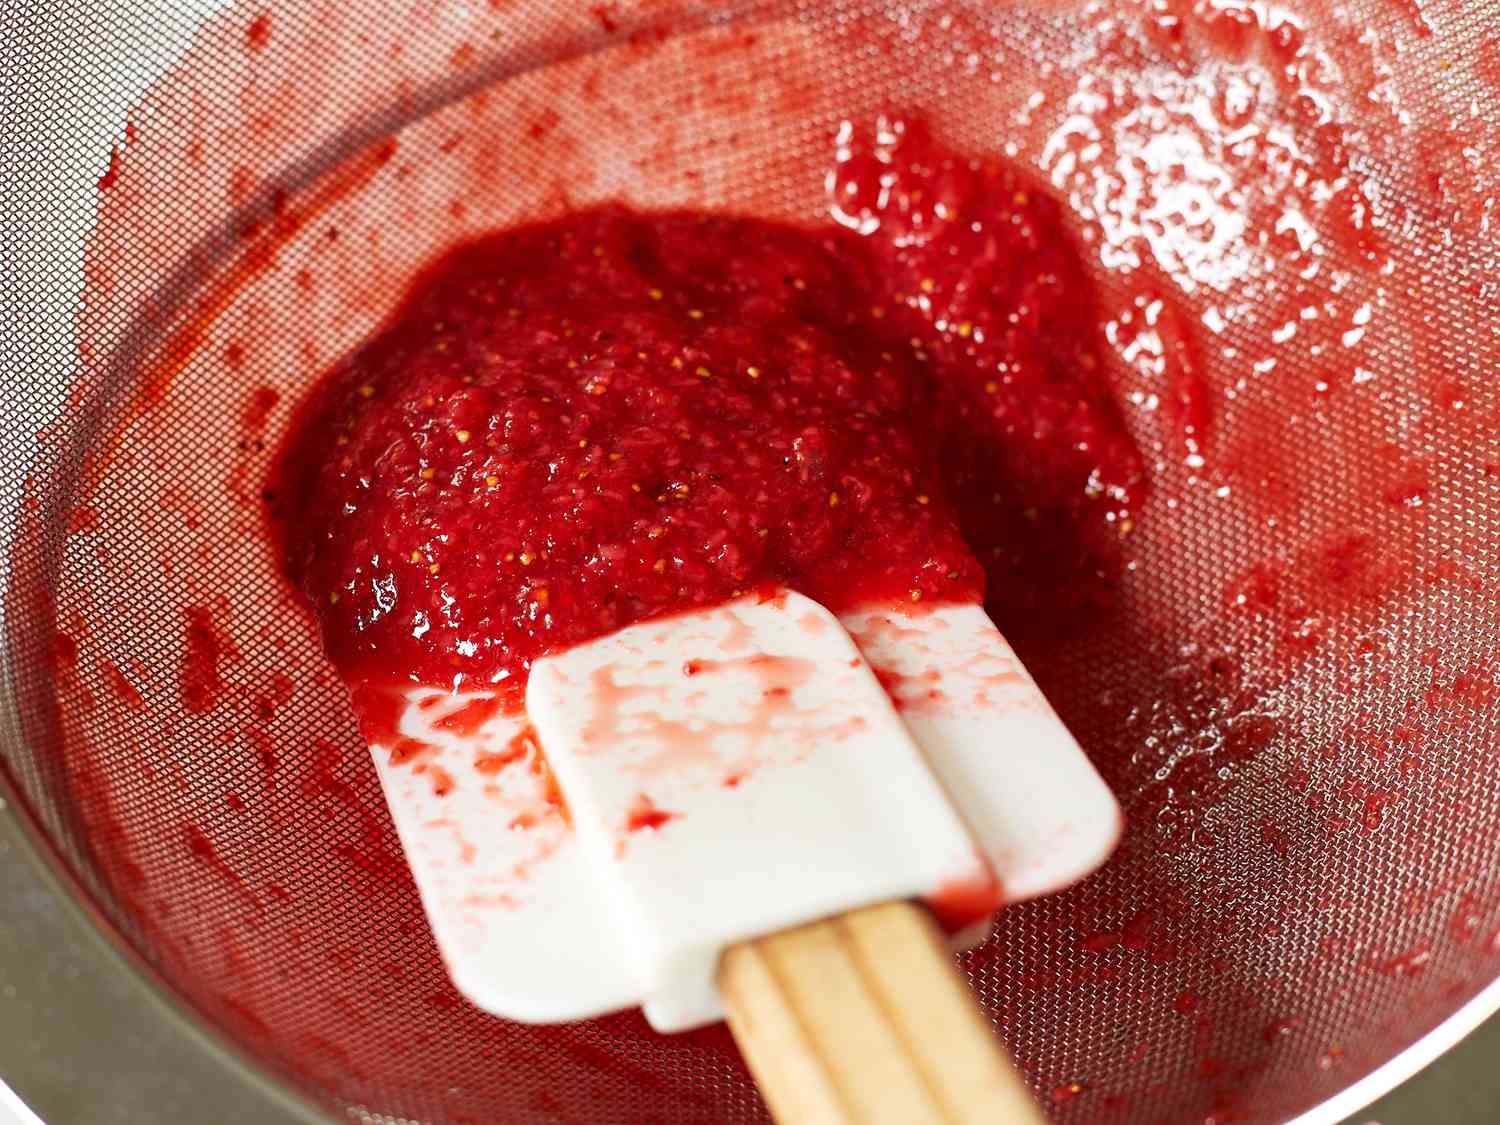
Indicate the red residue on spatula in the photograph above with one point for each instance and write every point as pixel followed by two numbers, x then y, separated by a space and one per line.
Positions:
pixel 1135 86
pixel 963 902
pixel 468 719
pixel 645 815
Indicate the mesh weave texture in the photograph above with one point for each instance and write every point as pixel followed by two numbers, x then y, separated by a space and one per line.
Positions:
pixel 1295 695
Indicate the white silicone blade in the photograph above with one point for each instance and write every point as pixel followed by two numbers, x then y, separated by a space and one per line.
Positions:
pixel 1030 795
pixel 512 901
pixel 733 772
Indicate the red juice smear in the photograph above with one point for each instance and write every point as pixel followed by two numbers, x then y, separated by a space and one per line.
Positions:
pixel 1487 65
pixel 200 679
pixel 962 902
pixel 203 850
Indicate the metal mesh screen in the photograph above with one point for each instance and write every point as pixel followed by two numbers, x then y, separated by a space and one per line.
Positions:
pixel 1293 694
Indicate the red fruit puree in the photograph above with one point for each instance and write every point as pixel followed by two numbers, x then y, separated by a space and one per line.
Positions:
pixel 572 426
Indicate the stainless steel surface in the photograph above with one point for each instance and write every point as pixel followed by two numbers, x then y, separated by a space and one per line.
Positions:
pixel 85 1037
pixel 1461 1088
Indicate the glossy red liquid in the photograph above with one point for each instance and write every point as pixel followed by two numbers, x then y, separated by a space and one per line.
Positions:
pixel 573 426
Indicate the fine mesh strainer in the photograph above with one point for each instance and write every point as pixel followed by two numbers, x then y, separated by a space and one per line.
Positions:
pixel 1293 690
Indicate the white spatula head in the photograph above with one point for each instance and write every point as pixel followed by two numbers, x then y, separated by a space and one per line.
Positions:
pixel 733 772
pixel 676 743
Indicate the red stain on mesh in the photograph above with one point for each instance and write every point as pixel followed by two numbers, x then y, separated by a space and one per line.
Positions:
pixel 266 703
pixel 372 854
pixel 604 15
pixel 64 654
pixel 823 410
pixel 258 32
pixel 1280 1029
pixel 112 173
pixel 1066 1092
pixel 1488 62
pixel 265 752
pixel 1407 964
pixel 204 647
pixel 1416 17
pixel 258 408
pixel 1374 809
pixel 121 687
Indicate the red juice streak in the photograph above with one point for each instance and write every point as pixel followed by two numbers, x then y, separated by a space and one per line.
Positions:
pixel 203 850
pixel 257 259
pixel 120 687
pixel 204 647
pixel 576 425
pixel 371 854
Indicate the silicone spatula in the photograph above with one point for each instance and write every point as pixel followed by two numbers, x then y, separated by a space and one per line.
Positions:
pixel 734 778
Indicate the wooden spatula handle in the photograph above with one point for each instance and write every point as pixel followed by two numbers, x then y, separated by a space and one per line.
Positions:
pixel 864 1019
